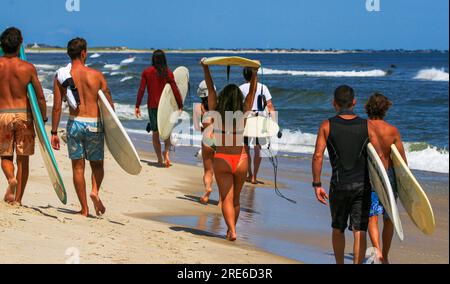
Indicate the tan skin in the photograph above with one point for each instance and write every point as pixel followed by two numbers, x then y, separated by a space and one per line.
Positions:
pixel 207 153
pixel 15 75
pixel 230 185
pixel 360 241
pixel 387 135
pixel 88 82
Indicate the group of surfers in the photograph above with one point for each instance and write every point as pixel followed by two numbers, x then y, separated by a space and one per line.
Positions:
pixel 225 152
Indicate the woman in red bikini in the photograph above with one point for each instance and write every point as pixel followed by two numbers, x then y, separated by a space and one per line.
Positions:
pixel 231 160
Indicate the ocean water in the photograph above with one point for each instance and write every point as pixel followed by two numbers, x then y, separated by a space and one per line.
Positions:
pixel 302 86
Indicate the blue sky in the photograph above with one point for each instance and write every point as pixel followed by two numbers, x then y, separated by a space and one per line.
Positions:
pixel 340 24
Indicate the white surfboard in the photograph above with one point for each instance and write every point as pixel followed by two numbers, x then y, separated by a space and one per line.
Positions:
pixel 117 139
pixel 382 186
pixel 412 195
pixel 232 61
pixel 168 113
pixel 261 127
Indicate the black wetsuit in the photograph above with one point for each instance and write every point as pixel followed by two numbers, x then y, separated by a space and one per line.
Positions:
pixel 350 190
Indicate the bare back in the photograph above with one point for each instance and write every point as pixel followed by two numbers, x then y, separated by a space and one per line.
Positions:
pixel 15 75
pixel 88 82
pixel 386 136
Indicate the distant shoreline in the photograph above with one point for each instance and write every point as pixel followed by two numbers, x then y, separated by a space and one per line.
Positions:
pixel 226 51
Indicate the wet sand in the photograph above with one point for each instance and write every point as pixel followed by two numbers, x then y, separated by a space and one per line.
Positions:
pixel 156 218
pixel 303 231
pixel 44 230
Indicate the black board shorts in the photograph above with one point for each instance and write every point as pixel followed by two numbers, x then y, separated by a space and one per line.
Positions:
pixel 350 203
pixel 254 141
pixel 153 116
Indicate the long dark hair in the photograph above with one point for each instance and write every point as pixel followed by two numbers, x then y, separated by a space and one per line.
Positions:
pixel 230 99
pixel 159 61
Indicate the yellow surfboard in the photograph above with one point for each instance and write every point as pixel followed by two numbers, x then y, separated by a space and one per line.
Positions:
pixel 412 195
pixel 232 61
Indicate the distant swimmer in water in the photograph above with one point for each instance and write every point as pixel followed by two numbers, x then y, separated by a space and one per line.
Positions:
pixel 205 124
pixel 16 122
pixel 85 132
pixel 346 137
pixel 154 79
pixel 387 135
pixel 231 159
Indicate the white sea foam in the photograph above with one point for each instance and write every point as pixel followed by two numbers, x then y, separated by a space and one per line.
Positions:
pixel 126 112
pixel 354 73
pixel 128 61
pixel 420 156
pixel 126 79
pixel 96 55
pixel 116 73
pixel 113 67
pixel 46 67
pixel 432 74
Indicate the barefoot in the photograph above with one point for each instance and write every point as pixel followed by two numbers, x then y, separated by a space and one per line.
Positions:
pixel 232 237
pixel 205 199
pixel 98 205
pixel 83 213
pixel 168 164
pixel 249 179
pixel 10 195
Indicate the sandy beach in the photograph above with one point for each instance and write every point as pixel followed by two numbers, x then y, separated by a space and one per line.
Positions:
pixel 43 230
pixel 154 218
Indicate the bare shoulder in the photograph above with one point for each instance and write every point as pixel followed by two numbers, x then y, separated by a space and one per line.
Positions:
pixel 94 72
pixel 393 130
pixel 325 126
pixel 28 66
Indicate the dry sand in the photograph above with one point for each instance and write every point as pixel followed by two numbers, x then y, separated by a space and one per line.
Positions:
pixel 43 230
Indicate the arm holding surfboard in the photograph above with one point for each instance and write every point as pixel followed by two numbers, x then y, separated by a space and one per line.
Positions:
pixel 399 145
pixel 106 91
pixel 248 104
pixel 58 92
pixel 212 98
pixel 39 93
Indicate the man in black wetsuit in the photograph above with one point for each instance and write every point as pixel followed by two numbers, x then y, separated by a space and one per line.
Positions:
pixel 346 137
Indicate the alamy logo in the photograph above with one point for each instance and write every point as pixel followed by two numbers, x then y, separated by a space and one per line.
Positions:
pixel 73 256
pixel 373 5
pixel 73 5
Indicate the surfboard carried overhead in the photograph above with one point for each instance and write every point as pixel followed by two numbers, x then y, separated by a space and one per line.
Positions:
pixel 44 142
pixel 412 195
pixel 117 139
pixel 232 61
pixel 382 186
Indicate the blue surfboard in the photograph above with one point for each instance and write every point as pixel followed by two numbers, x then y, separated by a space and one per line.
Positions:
pixel 44 142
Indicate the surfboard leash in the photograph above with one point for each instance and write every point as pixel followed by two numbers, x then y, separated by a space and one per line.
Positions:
pixel 274 160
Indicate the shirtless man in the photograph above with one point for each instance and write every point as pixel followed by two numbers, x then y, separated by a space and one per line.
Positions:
pixel 16 123
pixel 84 128
pixel 387 135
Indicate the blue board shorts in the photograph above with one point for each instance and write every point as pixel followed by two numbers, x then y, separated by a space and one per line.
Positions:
pixel 377 207
pixel 86 139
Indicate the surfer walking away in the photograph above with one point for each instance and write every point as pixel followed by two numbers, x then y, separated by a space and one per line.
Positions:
pixel 85 131
pixel 387 135
pixel 154 79
pixel 205 124
pixel 262 102
pixel 231 159
pixel 346 137
pixel 16 122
